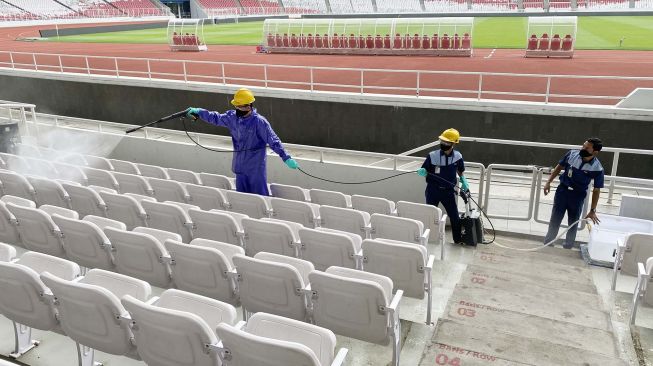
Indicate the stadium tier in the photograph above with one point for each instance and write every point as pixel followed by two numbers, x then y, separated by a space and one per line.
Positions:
pixel 72 9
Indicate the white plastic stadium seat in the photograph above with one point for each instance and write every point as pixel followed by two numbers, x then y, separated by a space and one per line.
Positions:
pixel 37 230
pixel 71 173
pixel 101 178
pixel 207 198
pixel 169 217
pixel 123 166
pixel 42 168
pixel 345 219
pixel 217 225
pixel 182 321
pixel 98 162
pixel 92 304
pixel 642 288
pixel 7 252
pixel 49 192
pixel 269 236
pixel 103 222
pixel 307 214
pixel 131 183
pixel 85 243
pixel 602 243
pixel 205 267
pixel 169 190
pixel 274 284
pixel 289 192
pixel 330 198
pixel 8 231
pixel 184 176
pixel 216 181
pixel 330 248
pixel 431 216
pixel 52 210
pixel 153 171
pixel 125 208
pixel 252 205
pixel 357 304
pixel 16 185
pixel 407 265
pixel 270 340
pixel 184 206
pixel 25 298
pixel 141 256
pixel 160 235
pixel 18 201
pixel 85 200
pixel 635 248
pixel 399 228
pixel 15 163
pixel 27 150
pixel 373 205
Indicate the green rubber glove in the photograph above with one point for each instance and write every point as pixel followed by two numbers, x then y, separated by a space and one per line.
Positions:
pixel 291 163
pixel 421 172
pixel 193 113
pixel 463 183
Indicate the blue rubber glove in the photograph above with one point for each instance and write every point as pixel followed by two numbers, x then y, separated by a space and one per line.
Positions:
pixel 463 183
pixel 421 172
pixel 291 163
pixel 193 113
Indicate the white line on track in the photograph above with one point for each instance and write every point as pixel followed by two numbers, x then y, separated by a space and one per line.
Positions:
pixel 491 53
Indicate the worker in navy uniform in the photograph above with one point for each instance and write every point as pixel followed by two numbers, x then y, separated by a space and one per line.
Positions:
pixel 580 168
pixel 441 169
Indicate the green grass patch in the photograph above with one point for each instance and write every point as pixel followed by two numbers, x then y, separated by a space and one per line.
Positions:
pixel 594 32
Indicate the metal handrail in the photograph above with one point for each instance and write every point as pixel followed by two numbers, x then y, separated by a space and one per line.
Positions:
pixel 475 91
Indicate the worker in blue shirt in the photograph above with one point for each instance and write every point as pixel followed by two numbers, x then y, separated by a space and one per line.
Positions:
pixel 580 168
pixel 441 169
pixel 250 133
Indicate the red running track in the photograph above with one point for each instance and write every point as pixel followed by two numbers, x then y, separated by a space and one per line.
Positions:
pixel 602 63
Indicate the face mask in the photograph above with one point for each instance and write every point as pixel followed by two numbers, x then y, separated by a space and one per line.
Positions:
pixel 240 113
pixel 584 153
pixel 445 147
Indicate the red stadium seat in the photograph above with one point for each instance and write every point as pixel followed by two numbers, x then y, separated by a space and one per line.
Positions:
pixel 270 39
pixel 310 42
pixel 555 42
pixel 467 42
pixel 335 41
pixel 567 43
pixel 353 41
pixel 325 41
pixel 378 41
pixel 387 41
pixel 361 41
pixel 446 42
pixel 278 42
pixel 285 40
pixel 532 42
pixel 294 42
pixel 397 42
pixel 426 42
pixel 456 41
pixel 435 42
pixel 544 42
pixel 318 41
pixel 369 42
pixel 407 41
pixel 416 42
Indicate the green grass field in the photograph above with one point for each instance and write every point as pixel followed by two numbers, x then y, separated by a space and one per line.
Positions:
pixel 594 32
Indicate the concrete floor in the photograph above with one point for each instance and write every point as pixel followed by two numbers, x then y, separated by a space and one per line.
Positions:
pixel 490 306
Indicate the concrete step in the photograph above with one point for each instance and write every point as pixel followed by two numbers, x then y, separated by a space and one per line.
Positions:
pixel 547 254
pixel 493 275
pixel 477 345
pixel 533 301
pixel 533 266
pixel 535 327
pixel 485 279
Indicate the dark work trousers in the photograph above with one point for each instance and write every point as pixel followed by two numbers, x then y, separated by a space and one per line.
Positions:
pixel 569 202
pixel 447 196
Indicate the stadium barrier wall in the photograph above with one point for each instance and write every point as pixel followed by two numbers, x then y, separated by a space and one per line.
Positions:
pixel 100 29
pixel 352 122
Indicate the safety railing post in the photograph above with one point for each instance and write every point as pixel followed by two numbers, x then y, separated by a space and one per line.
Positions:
pixel 60 65
pixel 613 173
pixel 312 86
pixel 185 75
pixel 88 69
pixel 548 89
pixel 224 78
pixel 362 82
pixel 480 86
pixel 36 67
pixel 11 58
pixel 265 74
pixel 115 61
pixel 149 70
pixel 417 88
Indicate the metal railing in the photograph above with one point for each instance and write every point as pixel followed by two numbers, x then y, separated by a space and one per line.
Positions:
pixel 416 83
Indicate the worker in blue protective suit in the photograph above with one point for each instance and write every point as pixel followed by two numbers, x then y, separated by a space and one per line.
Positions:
pixel 441 169
pixel 580 168
pixel 250 133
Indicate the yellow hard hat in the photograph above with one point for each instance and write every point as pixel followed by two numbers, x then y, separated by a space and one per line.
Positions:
pixel 243 97
pixel 450 135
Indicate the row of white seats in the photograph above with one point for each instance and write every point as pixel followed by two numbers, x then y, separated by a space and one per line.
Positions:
pixel 152 255
pixel 138 210
pixel 116 314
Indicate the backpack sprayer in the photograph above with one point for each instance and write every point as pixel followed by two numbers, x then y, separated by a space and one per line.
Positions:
pixel 471 220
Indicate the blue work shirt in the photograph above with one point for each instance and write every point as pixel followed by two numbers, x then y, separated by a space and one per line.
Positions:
pixel 252 134
pixel 445 167
pixel 578 174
